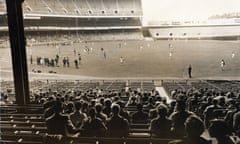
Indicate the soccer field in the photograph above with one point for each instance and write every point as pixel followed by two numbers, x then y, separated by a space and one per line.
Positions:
pixel 142 59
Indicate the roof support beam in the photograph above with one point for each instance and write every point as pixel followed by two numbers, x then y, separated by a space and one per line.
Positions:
pixel 18 50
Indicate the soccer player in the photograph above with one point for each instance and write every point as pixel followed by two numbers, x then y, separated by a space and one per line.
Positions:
pixel 58 49
pixel 104 54
pixel 79 59
pixel 222 64
pixel 76 63
pixel 119 45
pixel 148 45
pixel 121 60
pixel 170 54
pixel 233 54
pixel 74 52
pixel 190 71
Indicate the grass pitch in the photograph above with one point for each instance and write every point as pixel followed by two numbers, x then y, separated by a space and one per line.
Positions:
pixel 142 59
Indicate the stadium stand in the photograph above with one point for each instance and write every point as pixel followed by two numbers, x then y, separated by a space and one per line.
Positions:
pixel 17 126
pixel 88 17
pixel 84 8
pixel 198 100
pixel 194 32
pixel 2 7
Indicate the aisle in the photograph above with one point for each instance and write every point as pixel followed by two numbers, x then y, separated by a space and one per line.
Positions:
pixel 163 93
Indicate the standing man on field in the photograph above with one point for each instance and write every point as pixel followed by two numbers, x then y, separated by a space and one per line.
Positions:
pixel 222 64
pixel 190 71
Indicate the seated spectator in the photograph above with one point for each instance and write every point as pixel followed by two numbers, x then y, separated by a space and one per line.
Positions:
pixel 236 120
pixel 220 130
pixel 232 110
pixel 208 112
pixel 77 117
pixel 178 119
pixel 124 113
pixel 140 116
pixel 100 114
pixel 150 103
pixel 172 106
pixel 194 128
pixel 153 113
pixel 107 107
pixel 59 123
pixel 85 107
pixel 69 108
pixel 49 102
pixel 132 101
pixel 117 125
pixel 93 126
pixel 161 126
pixel 48 107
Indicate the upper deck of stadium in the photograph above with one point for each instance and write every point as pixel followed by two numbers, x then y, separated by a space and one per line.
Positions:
pixel 80 8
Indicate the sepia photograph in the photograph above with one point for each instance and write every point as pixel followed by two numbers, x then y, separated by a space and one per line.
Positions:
pixel 119 72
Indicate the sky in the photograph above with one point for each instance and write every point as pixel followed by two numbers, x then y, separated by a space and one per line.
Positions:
pixel 187 9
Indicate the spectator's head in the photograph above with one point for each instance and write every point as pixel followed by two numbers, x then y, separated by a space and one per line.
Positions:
pixel 194 126
pixel 173 103
pixel 115 109
pixel 222 101
pixel 164 100
pixel 181 105
pixel 84 106
pixel 93 102
pixel 150 100
pixel 162 110
pixel 139 107
pixel 57 106
pixel 158 98
pixel 209 99
pixel 116 98
pixel 215 102
pixel 133 99
pixel 78 106
pixel 108 103
pixel 51 98
pixel 66 97
pixel 98 107
pixel 92 113
pixel 101 100
pixel 69 107
pixel 219 129
pixel 121 104
pixel 238 106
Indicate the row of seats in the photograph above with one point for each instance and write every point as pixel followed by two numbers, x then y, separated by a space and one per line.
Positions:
pixel 7 86
pixel 226 86
pixel 30 128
